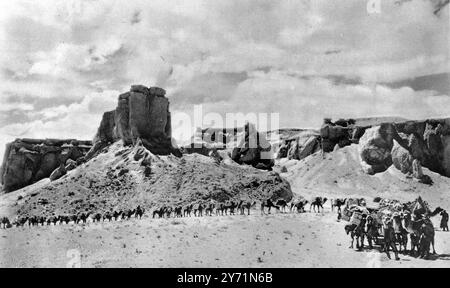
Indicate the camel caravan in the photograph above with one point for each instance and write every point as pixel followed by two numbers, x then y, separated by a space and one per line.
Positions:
pixel 80 218
pixel 392 225
pixel 197 210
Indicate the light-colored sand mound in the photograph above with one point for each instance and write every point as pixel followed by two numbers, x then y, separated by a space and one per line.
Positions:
pixel 339 173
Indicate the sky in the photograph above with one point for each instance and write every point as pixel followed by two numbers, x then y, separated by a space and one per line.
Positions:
pixel 64 63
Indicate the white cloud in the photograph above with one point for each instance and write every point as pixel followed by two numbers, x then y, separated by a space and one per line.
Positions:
pixel 73 49
pixel 78 120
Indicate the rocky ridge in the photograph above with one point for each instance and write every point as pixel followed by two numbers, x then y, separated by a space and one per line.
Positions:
pixel 27 161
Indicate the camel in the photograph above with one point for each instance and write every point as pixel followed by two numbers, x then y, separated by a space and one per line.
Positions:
pixel 52 219
pixel 4 222
pixel 107 216
pixel 401 235
pixel 84 216
pixel 238 207
pixel 198 208
pixel 33 221
pixel 282 204
pixel 428 228
pixel 356 232
pixel 247 205
pixel 389 238
pixel 168 211
pixel 317 202
pixel 60 219
pixel 160 212
pixel 49 220
pixel 209 209
pixel 426 238
pixel 338 202
pixel 178 211
pixel 229 206
pixel 220 209
pixel 269 204
pixel 74 219
pixel 129 213
pixel 187 210
pixel 41 220
pixel 424 242
pixel 140 212
pixel 20 221
pixel 299 204
pixel 97 217
pixel 116 215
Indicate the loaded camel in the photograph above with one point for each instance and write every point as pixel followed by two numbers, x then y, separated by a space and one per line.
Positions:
pixel 299 204
pixel 356 232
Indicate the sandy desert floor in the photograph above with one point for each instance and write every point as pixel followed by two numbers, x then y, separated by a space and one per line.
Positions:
pixel 276 240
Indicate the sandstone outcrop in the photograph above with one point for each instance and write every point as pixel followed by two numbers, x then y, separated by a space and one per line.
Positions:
pixel 376 146
pixel 402 159
pixel 141 114
pixel 27 161
pixel 302 147
pixel 425 141
pixel 253 149
pixel 341 133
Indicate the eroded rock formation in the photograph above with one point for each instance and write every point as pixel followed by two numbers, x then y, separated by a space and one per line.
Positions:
pixel 342 133
pixel 141 114
pixel 427 141
pixel 27 161
pixel 253 149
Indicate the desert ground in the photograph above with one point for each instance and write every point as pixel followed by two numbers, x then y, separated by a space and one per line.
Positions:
pixel 275 240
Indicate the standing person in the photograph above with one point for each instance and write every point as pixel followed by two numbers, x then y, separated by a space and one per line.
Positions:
pixel 444 221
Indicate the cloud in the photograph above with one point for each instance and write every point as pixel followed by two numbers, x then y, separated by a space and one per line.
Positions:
pixel 64 62
pixel 77 120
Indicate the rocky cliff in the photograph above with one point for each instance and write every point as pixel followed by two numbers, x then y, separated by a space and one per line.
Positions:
pixel 426 141
pixel 243 145
pixel 253 149
pixel 27 161
pixel 142 113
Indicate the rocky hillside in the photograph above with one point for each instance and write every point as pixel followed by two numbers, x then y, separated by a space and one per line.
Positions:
pixel 132 162
pixel 27 161
pixel 340 174
pixel 122 177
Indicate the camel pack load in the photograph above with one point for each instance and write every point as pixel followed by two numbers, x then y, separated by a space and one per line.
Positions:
pixel 354 210
pixel 390 223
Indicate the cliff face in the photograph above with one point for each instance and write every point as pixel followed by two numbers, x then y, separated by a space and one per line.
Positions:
pixel 254 149
pixel 142 113
pixel 27 161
